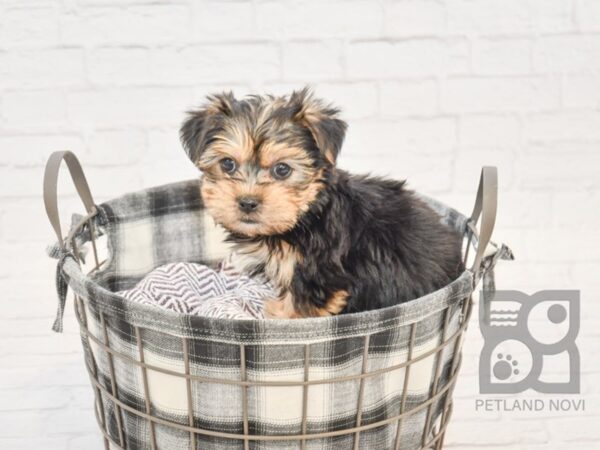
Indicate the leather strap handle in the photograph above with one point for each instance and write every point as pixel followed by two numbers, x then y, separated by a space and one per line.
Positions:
pixel 486 205
pixel 51 184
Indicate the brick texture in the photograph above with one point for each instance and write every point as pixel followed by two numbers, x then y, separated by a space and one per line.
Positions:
pixel 432 90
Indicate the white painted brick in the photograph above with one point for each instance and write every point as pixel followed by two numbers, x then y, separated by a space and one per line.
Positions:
pixel 90 442
pixel 357 100
pixel 502 56
pixel 91 3
pixel 483 433
pixel 20 182
pixel 581 91
pixel 164 144
pixel 489 131
pixel 424 176
pixel 420 18
pixel 431 89
pixel 27 442
pixel 308 61
pixel 557 446
pixel 29 27
pixel 468 382
pixel 554 245
pixel 585 276
pixel 558 171
pixel 28 260
pixel 465 408
pixel 567 54
pixel 552 16
pixel 33 398
pixel 577 210
pixel 139 24
pixel 31 306
pixel 119 66
pixel 122 180
pixel 18 424
pixel 222 21
pixel 516 210
pixel 31 110
pixel 115 147
pixel 409 98
pixel 228 63
pixel 315 19
pixel 402 137
pixel 122 107
pixel 23 222
pixel 64 424
pixel 419 57
pixel 563 126
pixel 26 326
pixel 577 429
pixel 566 147
pixel 530 276
pixel 155 172
pixel 80 397
pixel 588 15
pixel 33 68
pixel 33 150
pixel 499 94
pixel 491 17
pixel 488 17
pixel 417 169
pixel 49 376
pixel 36 3
pixel 470 160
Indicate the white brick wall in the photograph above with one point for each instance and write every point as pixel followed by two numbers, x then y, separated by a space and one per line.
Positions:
pixel 432 91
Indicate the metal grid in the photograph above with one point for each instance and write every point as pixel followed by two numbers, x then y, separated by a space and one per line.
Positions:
pixel 440 393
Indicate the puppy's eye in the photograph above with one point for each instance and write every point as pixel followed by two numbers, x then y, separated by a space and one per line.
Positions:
pixel 281 171
pixel 228 165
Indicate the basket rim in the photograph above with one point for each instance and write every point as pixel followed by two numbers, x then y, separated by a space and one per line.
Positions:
pixel 313 329
pixel 263 330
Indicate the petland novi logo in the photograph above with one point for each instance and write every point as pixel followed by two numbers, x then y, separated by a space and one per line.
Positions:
pixel 529 344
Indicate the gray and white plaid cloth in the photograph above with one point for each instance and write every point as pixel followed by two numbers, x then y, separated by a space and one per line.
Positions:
pixel 167 224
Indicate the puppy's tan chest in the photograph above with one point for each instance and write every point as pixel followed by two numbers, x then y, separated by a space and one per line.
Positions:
pixel 278 261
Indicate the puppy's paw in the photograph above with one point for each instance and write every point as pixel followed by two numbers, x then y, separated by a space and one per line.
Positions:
pixel 280 308
pixel 274 309
pixel 335 305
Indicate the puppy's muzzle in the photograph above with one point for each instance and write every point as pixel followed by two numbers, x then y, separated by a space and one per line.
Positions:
pixel 248 204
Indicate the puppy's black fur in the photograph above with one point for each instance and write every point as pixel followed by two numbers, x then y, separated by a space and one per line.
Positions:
pixel 330 241
pixel 374 239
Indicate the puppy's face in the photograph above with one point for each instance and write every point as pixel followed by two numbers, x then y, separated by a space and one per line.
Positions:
pixel 264 158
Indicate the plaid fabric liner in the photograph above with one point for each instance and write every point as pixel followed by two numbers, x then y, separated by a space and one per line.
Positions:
pixel 150 228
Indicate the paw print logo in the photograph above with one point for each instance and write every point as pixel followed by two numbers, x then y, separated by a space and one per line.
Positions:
pixel 505 367
pixel 523 334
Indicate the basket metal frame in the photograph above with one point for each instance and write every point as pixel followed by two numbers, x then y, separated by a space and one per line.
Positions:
pixel 441 387
pixel 433 433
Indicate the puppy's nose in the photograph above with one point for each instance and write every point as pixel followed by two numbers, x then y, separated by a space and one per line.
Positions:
pixel 248 204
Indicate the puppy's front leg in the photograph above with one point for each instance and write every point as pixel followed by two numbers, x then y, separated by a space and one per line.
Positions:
pixel 283 307
pixel 335 304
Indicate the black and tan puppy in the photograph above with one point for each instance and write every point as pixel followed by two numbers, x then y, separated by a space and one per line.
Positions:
pixel 331 242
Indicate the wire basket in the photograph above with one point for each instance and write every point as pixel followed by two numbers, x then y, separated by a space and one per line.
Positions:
pixel 163 380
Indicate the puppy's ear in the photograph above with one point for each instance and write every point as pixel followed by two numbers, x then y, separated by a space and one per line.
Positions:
pixel 322 121
pixel 197 127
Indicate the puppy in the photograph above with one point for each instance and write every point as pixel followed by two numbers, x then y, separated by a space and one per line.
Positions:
pixel 331 242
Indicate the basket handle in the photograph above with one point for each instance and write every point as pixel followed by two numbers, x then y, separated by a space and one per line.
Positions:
pixel 486 205
pixel 51 184
pixel 51 204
